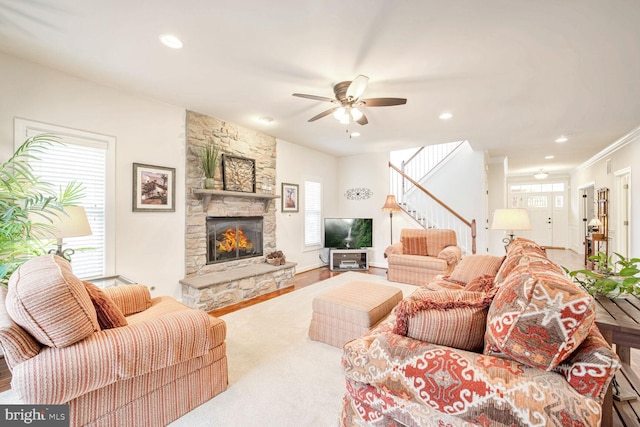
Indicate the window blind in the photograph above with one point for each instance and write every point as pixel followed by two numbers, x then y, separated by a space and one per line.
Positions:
pixel 83 161
pixel 312 213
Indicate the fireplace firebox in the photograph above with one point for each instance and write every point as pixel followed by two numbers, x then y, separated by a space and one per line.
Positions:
pixel 233 238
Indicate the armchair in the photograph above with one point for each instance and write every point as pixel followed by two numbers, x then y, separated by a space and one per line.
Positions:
pixel 134 374
pixel 421 255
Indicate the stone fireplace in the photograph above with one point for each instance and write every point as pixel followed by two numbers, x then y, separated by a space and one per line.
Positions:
pixel 233 238
pixel 232 276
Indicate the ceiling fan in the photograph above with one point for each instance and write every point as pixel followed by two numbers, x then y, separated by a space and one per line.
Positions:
pixel 348 101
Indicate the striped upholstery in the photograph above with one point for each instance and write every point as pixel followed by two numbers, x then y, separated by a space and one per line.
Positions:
pixel 421 255
pixel 165 362
pixel 454 318
pixel 475 265
pixel 349 311
pixel 130 299
pixel 16 343
pixel 50 303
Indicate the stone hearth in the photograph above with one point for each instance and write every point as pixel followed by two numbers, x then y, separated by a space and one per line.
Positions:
pixel 209 286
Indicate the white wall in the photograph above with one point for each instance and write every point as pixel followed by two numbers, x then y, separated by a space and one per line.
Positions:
pixel 626 156
pixel 294 165
pixel 461 184
pixel 149 246
pixel 370 171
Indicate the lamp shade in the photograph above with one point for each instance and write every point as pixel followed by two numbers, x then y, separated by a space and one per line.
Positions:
pixel 595 222
pixel 390 205
pixel 73 224
pixel 511 219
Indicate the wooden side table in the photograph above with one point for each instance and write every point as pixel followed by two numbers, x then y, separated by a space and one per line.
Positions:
pixel 619 323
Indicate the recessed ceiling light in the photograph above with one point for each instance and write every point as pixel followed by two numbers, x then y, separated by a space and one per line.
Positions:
pixel 265 119
pixel 563 138
pixel 445 116
pixel 549 157
pixel 355 134
pixel 171 41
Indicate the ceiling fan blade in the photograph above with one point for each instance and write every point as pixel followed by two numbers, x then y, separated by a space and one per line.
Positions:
pixel 357 87
pixel 383 102
pixel 362 120
pixel 314 97
pixel 321 115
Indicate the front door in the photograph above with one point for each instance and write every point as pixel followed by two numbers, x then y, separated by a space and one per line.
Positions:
pixel 548 212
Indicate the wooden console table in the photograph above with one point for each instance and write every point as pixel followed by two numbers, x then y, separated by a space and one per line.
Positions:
pixel 619 323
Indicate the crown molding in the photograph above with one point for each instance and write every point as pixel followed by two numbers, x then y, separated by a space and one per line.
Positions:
pixel 627 139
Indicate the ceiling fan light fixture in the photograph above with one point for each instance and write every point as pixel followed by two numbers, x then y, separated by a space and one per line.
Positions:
pixel 356 114
pixel 339 113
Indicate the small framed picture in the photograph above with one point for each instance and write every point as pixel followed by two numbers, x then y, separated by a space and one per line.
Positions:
pixel 289 197
pixel 154 188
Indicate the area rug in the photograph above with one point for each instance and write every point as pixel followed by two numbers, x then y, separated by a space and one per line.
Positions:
pixel 277 375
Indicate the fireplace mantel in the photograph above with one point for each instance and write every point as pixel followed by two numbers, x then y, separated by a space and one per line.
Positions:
pixel 207 195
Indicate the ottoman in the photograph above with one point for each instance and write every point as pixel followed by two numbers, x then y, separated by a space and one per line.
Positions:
pixel 349 311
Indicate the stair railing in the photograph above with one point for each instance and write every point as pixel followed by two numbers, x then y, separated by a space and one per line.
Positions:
pixel 429 211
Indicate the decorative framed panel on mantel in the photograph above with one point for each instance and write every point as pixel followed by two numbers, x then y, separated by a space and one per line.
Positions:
pixel 238 174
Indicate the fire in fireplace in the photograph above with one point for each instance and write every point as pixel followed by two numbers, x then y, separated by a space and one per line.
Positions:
pixel 232 238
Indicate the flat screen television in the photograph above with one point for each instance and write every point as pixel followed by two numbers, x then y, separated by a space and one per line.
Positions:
pixel 348 233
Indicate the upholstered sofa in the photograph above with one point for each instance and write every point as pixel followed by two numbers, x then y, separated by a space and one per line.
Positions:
pixel 116 356
pixel 421 255
pixel 516 346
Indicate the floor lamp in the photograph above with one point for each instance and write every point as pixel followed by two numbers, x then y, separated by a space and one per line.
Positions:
pixel 510 220
pixel 73 223
pixel 391 206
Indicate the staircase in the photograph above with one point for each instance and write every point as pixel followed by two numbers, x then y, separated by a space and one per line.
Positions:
pixel 406 183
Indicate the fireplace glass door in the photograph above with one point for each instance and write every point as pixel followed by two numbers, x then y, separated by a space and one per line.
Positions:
pixel 232 238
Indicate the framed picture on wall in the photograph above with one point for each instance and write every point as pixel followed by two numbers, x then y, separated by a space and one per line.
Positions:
pixel 238 174
pixel 154 188
pixel 290 197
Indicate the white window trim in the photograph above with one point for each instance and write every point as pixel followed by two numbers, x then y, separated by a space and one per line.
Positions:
pixel 23 127
pixel 305 247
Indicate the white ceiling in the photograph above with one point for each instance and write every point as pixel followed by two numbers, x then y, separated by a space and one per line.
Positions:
pixel 516 74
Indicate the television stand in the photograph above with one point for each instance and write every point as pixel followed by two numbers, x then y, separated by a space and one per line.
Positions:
pixel 348 259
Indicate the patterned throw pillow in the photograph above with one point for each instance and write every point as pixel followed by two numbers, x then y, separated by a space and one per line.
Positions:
pixel 50 303
pixel 448 317
pixel 109 315
pixel 538 317
pixel 472 266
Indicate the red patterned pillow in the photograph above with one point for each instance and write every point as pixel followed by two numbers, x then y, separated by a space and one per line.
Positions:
pixel 538 317
pixel 109 315
pixel 448 317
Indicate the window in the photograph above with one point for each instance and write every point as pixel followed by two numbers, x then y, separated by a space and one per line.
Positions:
pixel 87 159
pixel 312 213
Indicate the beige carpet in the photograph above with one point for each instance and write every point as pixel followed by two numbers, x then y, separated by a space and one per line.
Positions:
pixel 277 375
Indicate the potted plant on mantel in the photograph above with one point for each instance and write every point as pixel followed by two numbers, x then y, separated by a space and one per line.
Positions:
pixel 610 278
pixel 209 163
pixel 24 200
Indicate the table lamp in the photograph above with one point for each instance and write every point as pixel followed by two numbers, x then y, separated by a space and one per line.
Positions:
pixel 73 223
pixel 391 206
pixel 510 220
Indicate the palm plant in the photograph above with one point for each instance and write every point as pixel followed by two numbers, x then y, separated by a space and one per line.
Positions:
pixel 27 205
